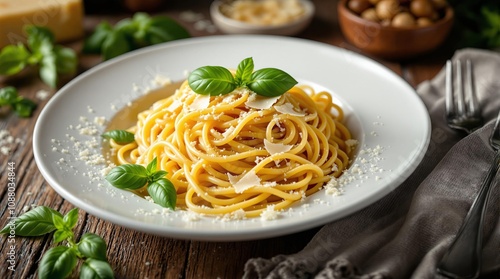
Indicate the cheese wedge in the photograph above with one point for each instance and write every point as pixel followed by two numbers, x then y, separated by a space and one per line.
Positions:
pixel 63 17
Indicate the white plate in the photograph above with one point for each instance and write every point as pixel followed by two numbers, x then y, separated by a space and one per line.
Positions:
pixel 383 111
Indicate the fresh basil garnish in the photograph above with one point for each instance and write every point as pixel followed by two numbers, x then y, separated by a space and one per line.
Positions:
pixel 217 80
pixel 128 176
pixel 212 80
pixel 133 176
pixel 162 192
pixel 119 136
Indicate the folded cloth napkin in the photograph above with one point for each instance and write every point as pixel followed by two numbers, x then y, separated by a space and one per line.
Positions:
pixel 406 233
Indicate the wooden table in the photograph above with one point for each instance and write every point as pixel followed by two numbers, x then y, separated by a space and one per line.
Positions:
pixel 138 255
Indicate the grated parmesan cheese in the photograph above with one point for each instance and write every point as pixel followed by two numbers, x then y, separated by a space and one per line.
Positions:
pixel 269 213
pixel 243 182
pixel 276 148
pixel 258 102
pixel 288 108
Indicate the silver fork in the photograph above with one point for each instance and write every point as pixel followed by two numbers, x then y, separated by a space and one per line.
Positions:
pixel 463 258
pixel 460 114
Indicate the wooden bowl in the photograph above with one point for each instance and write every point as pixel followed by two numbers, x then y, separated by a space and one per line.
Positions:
pixel 392 42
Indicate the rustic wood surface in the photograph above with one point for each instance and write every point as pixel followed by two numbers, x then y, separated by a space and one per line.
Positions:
pixel 138 255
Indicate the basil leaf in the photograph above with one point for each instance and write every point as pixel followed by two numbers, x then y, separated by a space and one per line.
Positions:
pixel 163 193
pixel 24 107
pixel 244 71
pixel 48 68
pixel 66 60
pixel 35 222
pixel 115 44
pixel 13 59
pixel 270 82
pixel 119 136
pixel 211 80
pixel 128 176
pixel 8 95
pixel 152 166
pixel 96 269
pixel 92 246
pixel 157 175
pixel 61 235
pixel 164 29
pixel 37 35
pixel 94 42
pixel 57 263
pixel 71 218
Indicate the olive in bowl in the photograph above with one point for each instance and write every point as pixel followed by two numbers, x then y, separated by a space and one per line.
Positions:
pixel 395 29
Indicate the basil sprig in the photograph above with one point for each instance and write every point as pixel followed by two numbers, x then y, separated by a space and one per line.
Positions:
pixel 217 80
pixel 22 107
pixel 51 59
pixel 58 262
pixel 132 33
pixel 133 177
pixel 119 136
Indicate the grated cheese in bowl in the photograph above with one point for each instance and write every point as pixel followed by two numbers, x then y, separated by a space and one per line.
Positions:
pixel 264 12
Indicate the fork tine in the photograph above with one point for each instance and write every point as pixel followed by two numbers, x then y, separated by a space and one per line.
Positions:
pixel 450 98
pixel 473 107
pixel 460 89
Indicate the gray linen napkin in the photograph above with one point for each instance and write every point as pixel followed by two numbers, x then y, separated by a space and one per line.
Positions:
pixel 405 234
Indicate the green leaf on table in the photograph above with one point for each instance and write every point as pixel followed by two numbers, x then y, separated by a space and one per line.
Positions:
pixel 66 60
pixel 57 262
pixel 92 246
pixel 270 82
pixel 48 64
pixel 132 33
pixel 163 193
pixel 37 36
pixel 115 44
pixel 119 136
pixel 94 42
pixel 35 222
pixel 8 95
pixel 71 218
pixel 96 269
pixel 61 235
pixel 24 107
pixel 164 29
pixel 13 59
pixel 128 176
pixel 212 80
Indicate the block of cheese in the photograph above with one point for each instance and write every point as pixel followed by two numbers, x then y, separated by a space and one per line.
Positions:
pixel 63 17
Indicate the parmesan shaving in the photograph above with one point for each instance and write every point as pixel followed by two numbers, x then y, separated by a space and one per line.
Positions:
pixel 257 102
pixel 288 109
pixel 276 148
pixel 244 182
pixel 200 102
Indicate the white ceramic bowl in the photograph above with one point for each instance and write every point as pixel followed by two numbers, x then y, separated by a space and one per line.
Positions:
pixel 232 26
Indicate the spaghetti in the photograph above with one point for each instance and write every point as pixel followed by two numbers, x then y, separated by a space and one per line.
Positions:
pixel 235 152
